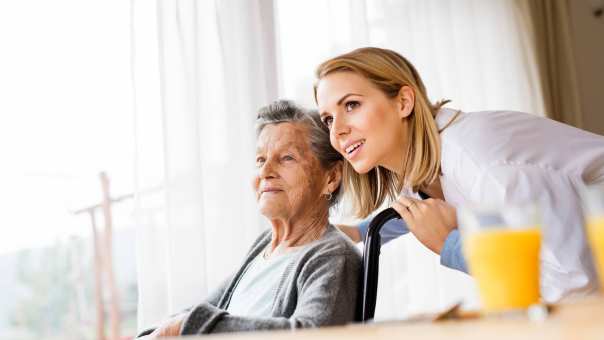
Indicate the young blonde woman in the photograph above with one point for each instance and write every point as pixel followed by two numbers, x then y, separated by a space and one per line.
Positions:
pixel 400 146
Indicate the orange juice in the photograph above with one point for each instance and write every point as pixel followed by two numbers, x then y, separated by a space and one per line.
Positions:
pixel 595 234
pixel 505 264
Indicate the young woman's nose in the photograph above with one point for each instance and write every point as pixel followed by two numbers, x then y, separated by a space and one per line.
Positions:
pixel 340 126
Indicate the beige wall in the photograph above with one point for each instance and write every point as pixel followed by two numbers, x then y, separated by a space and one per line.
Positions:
pixel 588 39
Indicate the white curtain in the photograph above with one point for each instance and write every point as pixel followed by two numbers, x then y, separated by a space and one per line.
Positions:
pixel 200 71
pixel 202 68
pixel 476 53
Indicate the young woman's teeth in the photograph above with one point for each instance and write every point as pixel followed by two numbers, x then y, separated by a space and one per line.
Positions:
pixel 353 147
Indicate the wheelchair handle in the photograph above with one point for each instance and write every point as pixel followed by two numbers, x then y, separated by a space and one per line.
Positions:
pixel 371 261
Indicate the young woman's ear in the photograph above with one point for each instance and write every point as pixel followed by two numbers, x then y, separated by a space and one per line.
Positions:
pixel 406 101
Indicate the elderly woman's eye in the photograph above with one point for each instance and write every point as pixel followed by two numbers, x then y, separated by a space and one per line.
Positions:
pixel 287 158
pixel 260 161
pixel 327 120
pixel 349 106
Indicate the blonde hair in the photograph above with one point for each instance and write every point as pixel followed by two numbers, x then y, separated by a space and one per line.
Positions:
pixel 389 72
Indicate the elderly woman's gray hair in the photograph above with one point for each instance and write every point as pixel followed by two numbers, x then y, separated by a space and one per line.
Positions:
pixel 282 111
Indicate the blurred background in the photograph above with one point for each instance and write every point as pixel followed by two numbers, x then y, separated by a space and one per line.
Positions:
pixel 160 97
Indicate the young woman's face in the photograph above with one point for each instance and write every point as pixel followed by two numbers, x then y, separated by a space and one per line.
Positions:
pixel 365 125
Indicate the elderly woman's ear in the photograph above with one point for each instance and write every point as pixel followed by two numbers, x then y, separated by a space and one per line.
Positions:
pixel 334 178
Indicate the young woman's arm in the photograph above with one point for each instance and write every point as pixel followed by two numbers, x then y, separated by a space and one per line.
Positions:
pixel 391 230
pixel 451 255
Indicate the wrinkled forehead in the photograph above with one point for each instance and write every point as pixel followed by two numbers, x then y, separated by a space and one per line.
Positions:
pixel 283 136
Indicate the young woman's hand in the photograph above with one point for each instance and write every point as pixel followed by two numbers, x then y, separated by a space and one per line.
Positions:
pixel 429 220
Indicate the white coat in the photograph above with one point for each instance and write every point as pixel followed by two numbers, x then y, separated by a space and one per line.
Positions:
pixel 503 157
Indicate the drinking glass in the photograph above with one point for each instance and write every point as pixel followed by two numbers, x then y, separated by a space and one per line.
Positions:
pixel 593 210
pixel 501 246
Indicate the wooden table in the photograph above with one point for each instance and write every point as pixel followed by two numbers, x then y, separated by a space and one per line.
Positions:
pixel 583 319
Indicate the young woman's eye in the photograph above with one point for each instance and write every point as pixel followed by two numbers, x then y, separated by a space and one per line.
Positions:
pixel 327 120
pixel 349 106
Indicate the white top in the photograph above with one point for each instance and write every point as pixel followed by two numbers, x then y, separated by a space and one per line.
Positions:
pixel 256 290
pixel 503 157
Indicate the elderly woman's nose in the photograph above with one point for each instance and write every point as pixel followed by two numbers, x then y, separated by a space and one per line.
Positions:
pixel 267 169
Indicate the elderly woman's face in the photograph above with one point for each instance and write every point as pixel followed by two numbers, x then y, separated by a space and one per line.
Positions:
pixel 289 178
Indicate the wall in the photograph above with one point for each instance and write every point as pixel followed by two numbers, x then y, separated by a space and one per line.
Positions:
pixel 588 39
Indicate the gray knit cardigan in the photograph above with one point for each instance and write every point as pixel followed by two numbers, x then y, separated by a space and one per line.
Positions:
pixel 319 287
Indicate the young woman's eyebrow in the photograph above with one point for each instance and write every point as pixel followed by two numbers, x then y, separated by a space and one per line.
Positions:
pixel 346 96
pixel 322 114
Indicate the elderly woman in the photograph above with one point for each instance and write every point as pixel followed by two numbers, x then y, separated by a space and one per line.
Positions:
pixel 302 272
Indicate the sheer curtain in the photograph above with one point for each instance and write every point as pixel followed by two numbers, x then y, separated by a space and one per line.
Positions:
pixel 202 68
pixel 200 71
pixel 476 53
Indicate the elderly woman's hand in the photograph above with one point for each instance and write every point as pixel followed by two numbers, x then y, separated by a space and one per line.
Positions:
pixel 169 328
pixel 429 220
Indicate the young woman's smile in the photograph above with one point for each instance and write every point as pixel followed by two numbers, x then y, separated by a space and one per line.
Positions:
pixel 353 148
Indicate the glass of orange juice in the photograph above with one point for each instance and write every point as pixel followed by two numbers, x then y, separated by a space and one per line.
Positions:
pixel 501 246
pixel 593 208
